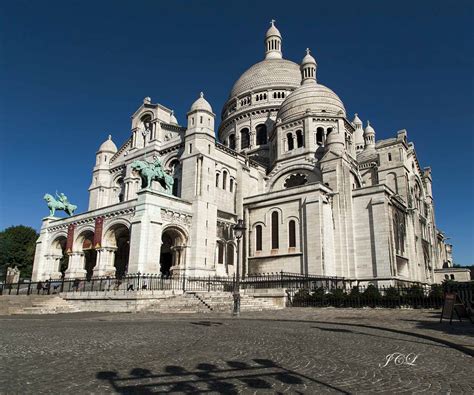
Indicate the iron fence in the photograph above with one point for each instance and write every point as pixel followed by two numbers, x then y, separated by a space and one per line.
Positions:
pixel 132 282
pixel 301 290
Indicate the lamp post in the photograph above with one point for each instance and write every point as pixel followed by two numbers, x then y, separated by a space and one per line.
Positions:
pixel 239 230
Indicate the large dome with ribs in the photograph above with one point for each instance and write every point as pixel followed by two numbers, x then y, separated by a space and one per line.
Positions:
pixel 269 73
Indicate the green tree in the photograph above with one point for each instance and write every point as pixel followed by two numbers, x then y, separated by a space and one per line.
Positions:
pixel 17 247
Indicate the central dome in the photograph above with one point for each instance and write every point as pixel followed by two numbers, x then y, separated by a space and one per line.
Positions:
pixel 268 73
pixel 314 97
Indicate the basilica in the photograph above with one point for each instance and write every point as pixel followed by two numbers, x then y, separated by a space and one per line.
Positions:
pixel 319 194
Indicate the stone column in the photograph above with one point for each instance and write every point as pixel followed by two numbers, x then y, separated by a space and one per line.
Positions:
pixel 42 248
pixel 145 239
pixel 105 262
pixel 178 262
pixel 76 265
pixel 54 261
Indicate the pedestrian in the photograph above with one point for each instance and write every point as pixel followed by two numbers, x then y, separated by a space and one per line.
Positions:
pixel 75 285
pixel 46 287
pixel 39 286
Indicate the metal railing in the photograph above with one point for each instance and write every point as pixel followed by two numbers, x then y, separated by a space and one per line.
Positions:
pixel 301 290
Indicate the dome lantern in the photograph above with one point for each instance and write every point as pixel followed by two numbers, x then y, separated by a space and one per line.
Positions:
pixel 273 42
pixel 308 69
pixel 369 136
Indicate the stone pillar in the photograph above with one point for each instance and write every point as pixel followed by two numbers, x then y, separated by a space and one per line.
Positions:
pixel 145 240
pixel 105 262
pixel 76 265
pixel 54 262
pixel 178 261
pixel 42 249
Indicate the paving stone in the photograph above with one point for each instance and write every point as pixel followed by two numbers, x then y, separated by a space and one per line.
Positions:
pixel 290 351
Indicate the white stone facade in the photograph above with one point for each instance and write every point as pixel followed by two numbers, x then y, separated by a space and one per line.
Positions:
pixel 317 192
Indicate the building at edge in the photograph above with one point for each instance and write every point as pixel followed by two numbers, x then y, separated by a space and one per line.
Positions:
pixel 318 193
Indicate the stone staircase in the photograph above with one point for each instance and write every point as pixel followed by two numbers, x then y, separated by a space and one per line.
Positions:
pixel 34 304
pixel 184 303
pixel 163 302
pixel 206 302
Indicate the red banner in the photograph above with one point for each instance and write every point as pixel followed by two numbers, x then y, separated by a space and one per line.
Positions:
pixel 70 237
pixel 99 224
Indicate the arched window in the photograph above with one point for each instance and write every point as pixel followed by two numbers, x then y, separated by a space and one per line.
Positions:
pixel 232 141
pixel 147 125
pixel 258 238
pixel 224 179
pixel 299 139
pixel 230 254
pixel 261 134
pixel 231 186
pixel 121 190
pixel 244 138
pixel 328 131
pixel 295 180
pixel 292 234
pixel 220 252
pixel 290 143
pixel 275 241
pixel 319 136
pixel 217 179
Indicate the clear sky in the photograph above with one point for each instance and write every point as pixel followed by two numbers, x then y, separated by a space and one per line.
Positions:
pixel 71 72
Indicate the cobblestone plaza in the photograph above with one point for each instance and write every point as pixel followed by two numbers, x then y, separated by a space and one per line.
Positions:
pixel 291 351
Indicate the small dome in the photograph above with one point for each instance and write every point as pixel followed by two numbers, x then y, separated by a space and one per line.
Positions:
pixel 108 146
pixel 272 31
pixel 369 129
pixel 357 122
pixel 269 73
pixel 201 104
pixel 308 59
pixel 173 119
pixel 312 97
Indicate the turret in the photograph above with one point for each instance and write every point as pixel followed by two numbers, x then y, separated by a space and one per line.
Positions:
pixel 308 69
pixel 369 137
pixel 358 134
pixel 201 117
pixel 101 178
pixel 273 43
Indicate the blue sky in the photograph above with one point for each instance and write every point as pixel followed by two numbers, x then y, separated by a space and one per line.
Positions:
pixel 71 72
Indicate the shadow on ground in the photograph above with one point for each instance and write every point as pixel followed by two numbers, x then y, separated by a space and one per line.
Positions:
pixel 259 374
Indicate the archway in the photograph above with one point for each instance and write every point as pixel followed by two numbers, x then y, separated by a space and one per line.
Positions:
pixel 86 239
pixel 117 242
pixel 173 242
pixel 61 259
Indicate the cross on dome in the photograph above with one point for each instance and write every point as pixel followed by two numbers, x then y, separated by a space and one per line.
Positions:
pixel 272 22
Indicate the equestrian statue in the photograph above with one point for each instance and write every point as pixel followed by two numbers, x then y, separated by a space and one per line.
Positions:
pixel 61 204
pixel 153 171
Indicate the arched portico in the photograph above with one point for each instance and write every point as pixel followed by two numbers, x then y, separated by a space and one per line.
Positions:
pixel 115 251
pixel 172 256
pixel 57 259
pixel 83 258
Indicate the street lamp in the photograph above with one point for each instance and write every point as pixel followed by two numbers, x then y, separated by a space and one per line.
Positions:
pixel 239 230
